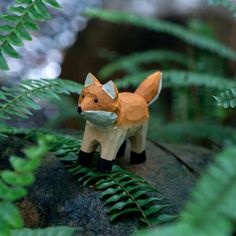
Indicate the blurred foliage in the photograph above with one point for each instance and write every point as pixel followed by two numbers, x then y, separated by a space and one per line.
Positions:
pixel 172 29
pixel 13 184
pixel 226 3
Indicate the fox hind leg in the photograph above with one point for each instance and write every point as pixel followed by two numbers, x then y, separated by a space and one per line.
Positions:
pixel 110 148
pixel 121 151
pixel 138 144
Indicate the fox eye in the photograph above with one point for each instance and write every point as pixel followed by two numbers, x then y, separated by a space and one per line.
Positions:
pixel 95 100
pixel 83 96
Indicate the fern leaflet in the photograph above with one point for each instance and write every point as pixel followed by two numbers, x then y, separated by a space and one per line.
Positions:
pixel 22 18
pixel 19 100
pixel 165 27
pixel 227 99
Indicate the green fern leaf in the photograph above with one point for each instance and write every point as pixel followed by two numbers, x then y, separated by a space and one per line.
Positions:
pixel 53 3
pixel 227 99
pixel 11 194
pixel 11 183
pixel 22 19
pixel 19 100
pixel 115 198
pixel 13 178
pixel 3 63
pixel 165 27
pixel 123 212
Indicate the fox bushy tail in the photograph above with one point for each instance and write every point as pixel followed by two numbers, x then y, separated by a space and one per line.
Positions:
pixel 150 88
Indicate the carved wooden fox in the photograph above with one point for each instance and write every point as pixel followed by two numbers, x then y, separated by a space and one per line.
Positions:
pixel 112 117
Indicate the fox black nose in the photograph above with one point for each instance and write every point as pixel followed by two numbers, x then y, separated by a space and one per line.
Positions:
pixel 79 110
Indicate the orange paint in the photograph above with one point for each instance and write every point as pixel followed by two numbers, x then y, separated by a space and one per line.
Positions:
pixel 131 108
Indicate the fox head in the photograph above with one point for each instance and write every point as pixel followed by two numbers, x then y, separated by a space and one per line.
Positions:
pixel 98 103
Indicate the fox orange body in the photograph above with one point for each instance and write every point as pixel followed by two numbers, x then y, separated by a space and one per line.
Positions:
pixel 112 117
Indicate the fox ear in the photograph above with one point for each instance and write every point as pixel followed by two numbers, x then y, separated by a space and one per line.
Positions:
pixel 91 79
pixel 110 89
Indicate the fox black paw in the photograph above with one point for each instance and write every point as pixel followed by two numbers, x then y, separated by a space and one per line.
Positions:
pixel 85 158
pixel 137 158
pixel 104 165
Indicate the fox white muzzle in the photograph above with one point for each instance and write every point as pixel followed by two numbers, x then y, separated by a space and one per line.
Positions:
pixel 103 119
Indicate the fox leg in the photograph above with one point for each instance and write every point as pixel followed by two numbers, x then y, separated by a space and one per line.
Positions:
pixel 121 151
pixel 138 144
pixel 109 149
pixel 88 148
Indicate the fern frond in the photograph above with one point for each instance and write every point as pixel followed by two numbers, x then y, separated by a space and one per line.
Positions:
pixel 179 78
pixel 13 182
pixel 123 192
pixel 226 3
pixel 19 100
pixel 227 99
pixel 135 59
pixel 21 18
pixel 178 31
pixel 212 201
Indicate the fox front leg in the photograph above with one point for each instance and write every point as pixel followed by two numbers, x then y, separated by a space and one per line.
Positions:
pixel 88 148
pixel 109 149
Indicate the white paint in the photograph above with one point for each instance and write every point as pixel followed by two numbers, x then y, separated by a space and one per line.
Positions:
pixel 109 88
pixel 88 80
pixel 102 119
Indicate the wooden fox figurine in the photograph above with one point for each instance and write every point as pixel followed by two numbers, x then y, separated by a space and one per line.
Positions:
pixel 112 117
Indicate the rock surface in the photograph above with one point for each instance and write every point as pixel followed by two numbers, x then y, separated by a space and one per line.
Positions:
pixel 172 169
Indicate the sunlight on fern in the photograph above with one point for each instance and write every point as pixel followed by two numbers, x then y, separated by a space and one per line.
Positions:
pixel 19 100
pixel 22 17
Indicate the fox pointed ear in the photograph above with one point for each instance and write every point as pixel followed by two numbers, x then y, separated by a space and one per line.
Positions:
pixel 91 79
pixel 110 89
